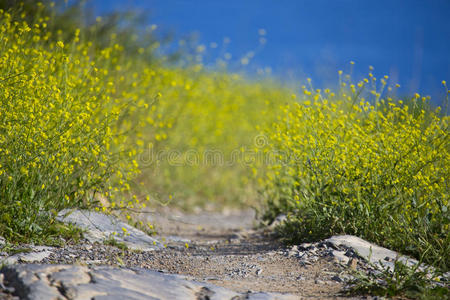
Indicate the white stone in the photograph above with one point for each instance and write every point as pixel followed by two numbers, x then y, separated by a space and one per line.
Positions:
pixel 100 227
pixel 371 252
pixel 341 257
pixel 34 256
pixel 37 254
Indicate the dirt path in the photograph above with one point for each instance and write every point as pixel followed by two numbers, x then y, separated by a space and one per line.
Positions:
pixel 220 249
pixel 224 250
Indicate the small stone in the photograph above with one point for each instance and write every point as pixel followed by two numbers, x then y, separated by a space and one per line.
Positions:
pixel 259 271
pixel 330 245
pixel 87 247
pixel 340 256
pixel 304 263
pixel 352 264
pixel 279 220
pixel 211 278
pixel 302 254
pixel 234 240
pixel 337 278
pixel 306 246
pixel 351 253
pixel 34 256
pixel 318 281
pixel 2 277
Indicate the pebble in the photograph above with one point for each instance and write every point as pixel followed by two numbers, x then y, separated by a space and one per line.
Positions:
pixel 280 219
pixel 318 281
pixel 340 256
pixel 352 264
pixel 337 278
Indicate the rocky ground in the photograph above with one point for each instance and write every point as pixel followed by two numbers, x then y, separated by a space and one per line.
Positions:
pixel 194 256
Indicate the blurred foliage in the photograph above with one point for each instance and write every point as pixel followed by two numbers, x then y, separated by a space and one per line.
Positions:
pixel 78 121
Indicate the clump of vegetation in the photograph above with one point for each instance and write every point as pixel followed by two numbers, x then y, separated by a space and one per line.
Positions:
pixel 356 161
pixel 97 125
pixel 64 110
pixel 413 282
pixel 111 241
pixel 203 156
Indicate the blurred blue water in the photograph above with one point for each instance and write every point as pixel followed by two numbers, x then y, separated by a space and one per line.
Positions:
pixel 406 39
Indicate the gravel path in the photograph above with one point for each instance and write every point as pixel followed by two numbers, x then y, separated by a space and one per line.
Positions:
pixel 211 251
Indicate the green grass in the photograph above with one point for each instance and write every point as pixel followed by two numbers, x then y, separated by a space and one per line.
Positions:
pixel 113 242
pixel 356 162
pixel 88 124
pixel 409 282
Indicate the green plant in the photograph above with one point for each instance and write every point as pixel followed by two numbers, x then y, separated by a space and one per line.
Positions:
pixel 412 282
pixel 356 162
pixel 62 141
pixel 111 241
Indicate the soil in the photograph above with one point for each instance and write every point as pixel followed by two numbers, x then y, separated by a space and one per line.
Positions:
pixel 225 250
pixel 222 249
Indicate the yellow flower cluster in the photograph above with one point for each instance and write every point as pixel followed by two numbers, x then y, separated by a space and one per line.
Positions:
pixel 361 164
pixel 86 125
pixel 212 118
pixel 67 126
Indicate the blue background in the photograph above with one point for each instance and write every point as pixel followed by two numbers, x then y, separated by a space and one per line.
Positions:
pixel 406 39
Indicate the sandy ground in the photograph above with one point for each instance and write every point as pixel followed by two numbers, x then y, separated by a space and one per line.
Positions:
pixel 224 249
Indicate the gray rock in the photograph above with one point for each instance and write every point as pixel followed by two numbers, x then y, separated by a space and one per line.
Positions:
pixel 2 277
pixel 305 246
pixel 177 239
pixel 266 296
pixel 28 284
pixel 100 227
pixel 38 254
pixel 279 220
pixel 318 281
pixel 291 253
pixel 340 256
pixel 75 282
pixel 353 264
pixel 2 242
pixel 71 276
pixel 34 256
pixel 10 260
pixel 375 254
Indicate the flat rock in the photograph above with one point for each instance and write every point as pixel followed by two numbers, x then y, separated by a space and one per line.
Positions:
pixel 100 227
pixel 35 282
pixel 37 254
pixel 279 220
pixel 340 256
pixel 371 252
